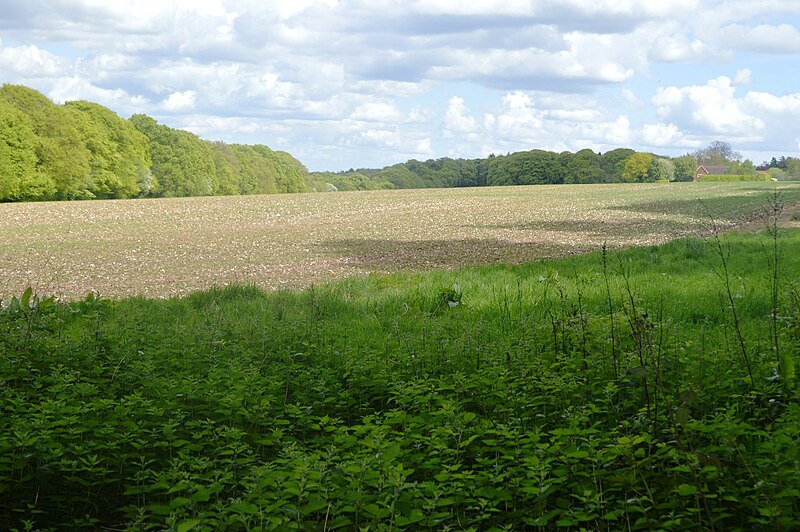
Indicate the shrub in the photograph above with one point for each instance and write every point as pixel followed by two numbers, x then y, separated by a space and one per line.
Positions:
pixel 733 177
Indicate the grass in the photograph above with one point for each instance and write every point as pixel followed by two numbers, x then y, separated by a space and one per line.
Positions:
pixel 480 398
pixel 166 247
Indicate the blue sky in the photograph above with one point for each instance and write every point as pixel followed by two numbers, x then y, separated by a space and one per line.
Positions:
pixel 368 83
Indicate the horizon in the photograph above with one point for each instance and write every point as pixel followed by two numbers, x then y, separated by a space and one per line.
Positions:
pixel 350 84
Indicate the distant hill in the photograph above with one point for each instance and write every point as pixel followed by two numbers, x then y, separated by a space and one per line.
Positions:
pixel 82 150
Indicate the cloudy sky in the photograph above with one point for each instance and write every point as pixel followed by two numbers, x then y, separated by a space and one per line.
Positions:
pixel 368 83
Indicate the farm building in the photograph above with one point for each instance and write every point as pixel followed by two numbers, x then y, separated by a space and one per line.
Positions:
pixel 709 170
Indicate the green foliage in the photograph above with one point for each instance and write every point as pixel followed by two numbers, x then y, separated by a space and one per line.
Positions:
pixel 533 167
pixel 661 170
pixel 734 177
pixel 584 167
pixel 227 168
pixel 346 181
pixel 792 168
pixel 82 150
pixel 263 171
pixel 613 163
pixel 742 168
pixel 637 168
pixel 20 177
pixel 369 404
pixel 120 155
pixel 181 163
pixel 432 173
pixel 61 153
pixel 685 167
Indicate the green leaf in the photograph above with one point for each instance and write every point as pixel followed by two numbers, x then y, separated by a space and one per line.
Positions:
pixel 681 415
pixel 339 522
pixel 688 396
pixel 316 504
pixel 686 490
pixel 160 509
pixel 25 300
pixel 244 508
pixel 415 517
pixel 186 525
pixel 638 371
pixel 177 502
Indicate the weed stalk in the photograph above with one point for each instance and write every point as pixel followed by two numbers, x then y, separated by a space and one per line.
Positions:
pixel 724 276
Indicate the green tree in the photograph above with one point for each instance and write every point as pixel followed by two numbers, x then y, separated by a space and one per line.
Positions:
pixel 182 164
pixel 792 167
pixel 661 169
pixel 637 168
pixel 535 167
pixel 290 174
pixel 20 178
pixel 400 177
pixel 745 167
pixel 62 156
pixel 227 169
pixel 685 167
pixel 120 154
pixel 584 167
pixel 613 163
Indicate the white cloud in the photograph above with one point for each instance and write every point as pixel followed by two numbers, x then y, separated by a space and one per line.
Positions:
pixel 379 137
pixel 632 99
pixel 457 118
pixel 711 108
pixel 421 114
pixel 757 121
pixel 224 128
pixel 781 39
pixel 678 48
pixel 518 118
pixel 179 101
pixel 30 61
pixel 377 112
pixel 424 148
pixel 787 106
pixel 555 122
pixel 75 88
pixel 743 77
pixel 661 135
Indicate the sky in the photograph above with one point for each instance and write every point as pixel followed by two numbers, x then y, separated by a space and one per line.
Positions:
pixel 368 83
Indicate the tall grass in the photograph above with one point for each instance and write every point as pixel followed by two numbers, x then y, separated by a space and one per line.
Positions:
pixel 603 391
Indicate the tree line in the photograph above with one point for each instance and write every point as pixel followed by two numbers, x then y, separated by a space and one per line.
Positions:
pixel 538 167
pixel 82 150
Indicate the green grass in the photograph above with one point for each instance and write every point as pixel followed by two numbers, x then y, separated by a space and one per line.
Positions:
pixel 477 398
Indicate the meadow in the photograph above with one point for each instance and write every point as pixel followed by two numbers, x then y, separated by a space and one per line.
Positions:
pixel 643 388
pixel 166 247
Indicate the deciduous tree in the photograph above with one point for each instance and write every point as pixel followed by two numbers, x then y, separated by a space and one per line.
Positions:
pixel 637 168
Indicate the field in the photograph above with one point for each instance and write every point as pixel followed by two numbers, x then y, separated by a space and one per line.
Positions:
pixel 646 388
pixel 166 247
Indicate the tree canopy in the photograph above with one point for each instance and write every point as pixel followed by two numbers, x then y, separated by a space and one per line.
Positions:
pixel 82 150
